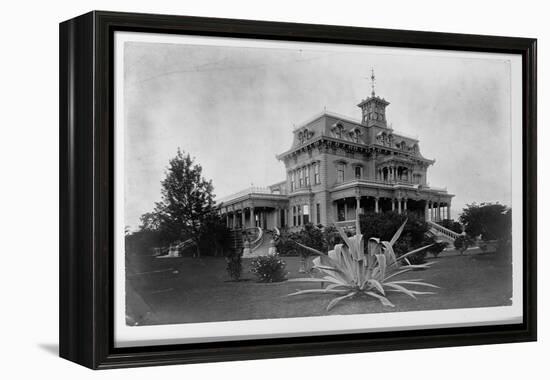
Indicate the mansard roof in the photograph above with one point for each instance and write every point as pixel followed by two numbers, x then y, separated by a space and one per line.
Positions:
pixel 342 129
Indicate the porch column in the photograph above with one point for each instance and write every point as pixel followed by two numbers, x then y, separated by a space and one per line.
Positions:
pixel 357 207
pixel 438 211
pixel 405 205
pixel 399 205
pixel 227 219
pixel 376 210
pixel 234 220
pixel 392 204
pixel 448 211
pixel 252 217
pixel 426 211
pixel 243 218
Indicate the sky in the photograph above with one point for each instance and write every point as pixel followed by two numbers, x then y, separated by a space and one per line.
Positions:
pixel 233 108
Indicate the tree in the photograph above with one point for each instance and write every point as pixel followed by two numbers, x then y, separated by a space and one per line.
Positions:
pixel 186 203
pixel 491 221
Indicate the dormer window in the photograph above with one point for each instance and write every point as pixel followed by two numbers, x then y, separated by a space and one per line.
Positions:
pixel 355 135
pixel 338 130
pixel 304 135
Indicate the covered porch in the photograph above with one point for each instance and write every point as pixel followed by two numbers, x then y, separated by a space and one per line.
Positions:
pixel 426 204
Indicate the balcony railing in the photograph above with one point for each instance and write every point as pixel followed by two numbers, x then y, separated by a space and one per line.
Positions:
pixel 249 191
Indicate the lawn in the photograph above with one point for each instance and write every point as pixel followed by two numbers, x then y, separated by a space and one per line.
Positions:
pixel 184 290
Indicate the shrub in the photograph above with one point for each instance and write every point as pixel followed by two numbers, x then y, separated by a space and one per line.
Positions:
pixel 270 268
pixel 234 267
pixel 437 247
pixel 353 270
pixel 383 225
pixel 462 243
pixel 285 243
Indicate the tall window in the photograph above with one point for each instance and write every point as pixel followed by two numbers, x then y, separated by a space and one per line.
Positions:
pixel 299 210
pixel 306 170
pixel 300 178
pixel 292 181
pixel 358 172
pixel 340 173
pixel 306 214
pixel 316 174
pixel 294 216
pixel 318 212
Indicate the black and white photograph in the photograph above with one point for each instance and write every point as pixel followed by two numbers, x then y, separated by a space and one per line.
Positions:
pixel 273 190
pixel 285 188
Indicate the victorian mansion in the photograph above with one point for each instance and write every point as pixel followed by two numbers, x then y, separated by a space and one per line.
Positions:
pixel 338 168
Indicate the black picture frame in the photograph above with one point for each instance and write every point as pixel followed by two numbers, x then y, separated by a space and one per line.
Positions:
pixel 86 192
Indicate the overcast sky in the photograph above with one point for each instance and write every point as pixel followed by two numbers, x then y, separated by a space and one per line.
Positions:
pixel 233 109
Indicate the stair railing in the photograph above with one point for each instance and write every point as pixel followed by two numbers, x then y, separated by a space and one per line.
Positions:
pixel 443 231
pixel 254 244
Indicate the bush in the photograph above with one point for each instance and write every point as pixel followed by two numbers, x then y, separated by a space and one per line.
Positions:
pixel 310 235
pixel 384 225
pixel 269 268
pixel 462 243
pixel 437 247
pixel 234 267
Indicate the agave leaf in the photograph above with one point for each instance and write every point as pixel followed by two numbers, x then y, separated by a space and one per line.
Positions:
pixel 335 286
pixel 417 266
pixel 398 273
pixel 398 233
pixel 376 285
pixel 415 292
pixel 373 246
pixel 400 289
pixel 414 282
pixel 336 255
pixel 335 280
pixel 384 300
pixel 313 250
pixel 324 267
pixel 324 260
pixel 388 252
pixel 344 236
pixel 307 279
pixel 338 299
pixel 402 257
pixel 321 291
pixel 381 265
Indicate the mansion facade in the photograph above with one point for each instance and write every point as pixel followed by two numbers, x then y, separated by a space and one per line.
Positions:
pixel 338 168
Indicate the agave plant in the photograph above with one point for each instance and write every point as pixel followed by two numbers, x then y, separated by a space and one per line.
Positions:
pixel 349 272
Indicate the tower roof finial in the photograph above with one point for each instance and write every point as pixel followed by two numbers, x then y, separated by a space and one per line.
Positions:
pixel 372 78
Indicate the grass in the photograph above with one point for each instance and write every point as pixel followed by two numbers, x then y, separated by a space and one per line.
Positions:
pixel 186 290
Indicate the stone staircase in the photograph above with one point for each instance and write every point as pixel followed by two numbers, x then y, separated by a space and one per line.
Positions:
pixel 442 234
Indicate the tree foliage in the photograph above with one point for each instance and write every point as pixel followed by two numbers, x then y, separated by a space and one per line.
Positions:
pixel 451 224
pixel 491 221
pixel 186 201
